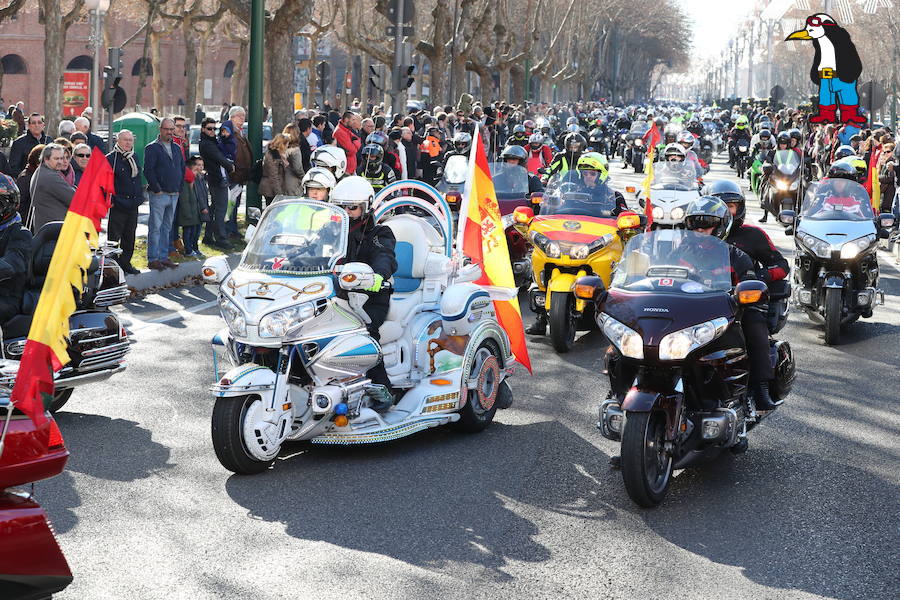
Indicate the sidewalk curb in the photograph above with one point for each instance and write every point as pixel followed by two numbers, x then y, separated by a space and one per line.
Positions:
pixel 149 278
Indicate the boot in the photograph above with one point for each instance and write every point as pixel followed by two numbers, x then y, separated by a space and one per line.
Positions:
pixel 761 397
pixel 765 217
pixel 380 399
pixel 850 115
pixel 539 327
pixel 826 114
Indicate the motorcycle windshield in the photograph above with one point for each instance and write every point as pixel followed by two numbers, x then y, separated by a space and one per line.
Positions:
pixel 679 176
pixel 456 169
pixel 567 194
pixel 787 162
pixel 639 127
pixel 297 237
pixel 510 181
pixel 674 261
pixel 838 200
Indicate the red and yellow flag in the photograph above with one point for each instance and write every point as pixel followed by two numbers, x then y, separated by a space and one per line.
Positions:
pixel 482 238
pixel 45 349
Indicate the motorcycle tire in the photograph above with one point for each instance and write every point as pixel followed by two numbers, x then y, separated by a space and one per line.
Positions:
pixel 562 322
pixel 60 397
pixel 227 436
pixel 740 169
pixel 481 403
pixel 646 470
pixel 834 304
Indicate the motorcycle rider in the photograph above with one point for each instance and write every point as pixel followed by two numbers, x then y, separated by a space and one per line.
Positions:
pixel 330 157
pixel 516 155
pixel 687 141
pixel 15 250
pixel 594 173
pixel 539 154
pixel 573 146
pixel 519 137
pixel 710 215
pixel 431 155
pixel 740 131
pixel 317 183
pixel 761 141
pixel 462 144
pixel 373 245
pixel 373 167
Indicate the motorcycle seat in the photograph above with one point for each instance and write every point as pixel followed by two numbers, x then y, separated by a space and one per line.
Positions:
pixel 16 327
pixel 42 246
pixel 415 238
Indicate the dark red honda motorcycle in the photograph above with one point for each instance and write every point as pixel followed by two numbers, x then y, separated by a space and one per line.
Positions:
pixel 677 361
pixel 32 565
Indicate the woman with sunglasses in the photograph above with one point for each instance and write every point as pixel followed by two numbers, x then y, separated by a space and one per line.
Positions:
pixel 82 155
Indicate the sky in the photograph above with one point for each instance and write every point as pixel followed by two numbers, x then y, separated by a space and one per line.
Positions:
pixel 714 22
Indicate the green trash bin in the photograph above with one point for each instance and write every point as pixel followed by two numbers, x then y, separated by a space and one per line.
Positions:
pixel 144 126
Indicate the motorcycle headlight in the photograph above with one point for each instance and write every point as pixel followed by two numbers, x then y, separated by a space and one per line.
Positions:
pixel 742 148
pixel 546 245
pixel 638 142
pixel 677 213
pixel 707 137
pixel 854 248
pixel 820 248
pixel 677 345
pixel 582 251
pixel 277 324
pixel 781 185
pixel 233 316
pixel 627 340
pixel 623 136
pixel 658 212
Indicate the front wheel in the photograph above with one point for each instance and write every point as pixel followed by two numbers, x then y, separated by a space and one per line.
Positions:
pixel 646 466
pixel 562 322
pixel 237 427
pixel 60 397
pixel 481 399
pixel 833 313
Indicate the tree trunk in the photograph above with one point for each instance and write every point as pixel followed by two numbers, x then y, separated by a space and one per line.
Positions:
pixel 192 77
pixel 145 55
pixel 503 93
pixel 237 76
pixel 486 83
pixel 201 71
pixel 364 83
pixel 312 79
pixel 518 93
pixel 156 61
pixel 54 48
pixel 281 73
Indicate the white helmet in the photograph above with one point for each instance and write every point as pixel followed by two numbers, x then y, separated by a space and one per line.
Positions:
pixel 353 190
pixel 332 158
pixel 318 177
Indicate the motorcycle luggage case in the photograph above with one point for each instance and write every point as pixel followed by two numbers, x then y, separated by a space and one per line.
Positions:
pixel 463 306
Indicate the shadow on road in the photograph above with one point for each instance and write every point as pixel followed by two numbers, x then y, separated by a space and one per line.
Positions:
pixel 120 450
pixel 59 499
pixel 432 500
pixel 806 523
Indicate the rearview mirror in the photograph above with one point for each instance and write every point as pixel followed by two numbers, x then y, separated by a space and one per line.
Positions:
pixel 537 197
pixel 253 213
pixel 215 269
pixel 628 220
pixel 590 288
pixel 751 292
pixel 523 215
pixel 787 217
pixel 886 220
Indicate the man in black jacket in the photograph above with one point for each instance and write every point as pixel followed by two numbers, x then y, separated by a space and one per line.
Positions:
pixel 123 214
pixel 217 169
pixel 374 245
pixel 22 146
pixel 15 251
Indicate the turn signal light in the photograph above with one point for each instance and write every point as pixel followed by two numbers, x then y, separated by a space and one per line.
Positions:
pixel 341 420
pixel 209 272
pixel 56 439
pixel 585 292
pixel 349 277
pixel 537 198
pixel 749 296
pixel 441 382
pixel 453 197
pixel 630 189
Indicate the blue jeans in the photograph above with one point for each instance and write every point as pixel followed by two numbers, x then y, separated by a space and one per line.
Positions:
pixel 834 91
pixel 159 228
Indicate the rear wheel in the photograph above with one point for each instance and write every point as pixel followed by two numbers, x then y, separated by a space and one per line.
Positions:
pixel 60 397
pixel 833 314
pixel 481 401
pixel 236 426
pixel 562 322
pixel 646 466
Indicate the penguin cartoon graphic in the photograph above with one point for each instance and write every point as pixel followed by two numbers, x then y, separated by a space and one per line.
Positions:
pixel 835 69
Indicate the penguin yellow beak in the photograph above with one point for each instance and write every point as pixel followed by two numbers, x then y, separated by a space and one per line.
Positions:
pixel 801 34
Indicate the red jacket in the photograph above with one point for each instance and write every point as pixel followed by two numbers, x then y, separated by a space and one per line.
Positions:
pixel 350 143
pixel 538 158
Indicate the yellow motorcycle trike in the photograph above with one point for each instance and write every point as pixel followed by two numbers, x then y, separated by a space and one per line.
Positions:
pixel 575 234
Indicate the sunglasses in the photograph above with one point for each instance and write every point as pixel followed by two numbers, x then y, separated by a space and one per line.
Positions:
pixel 352 207
pixel 82 155
pixel 817 22
pixel 209 128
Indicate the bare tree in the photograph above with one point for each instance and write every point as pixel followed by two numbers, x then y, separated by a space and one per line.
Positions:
pixel 56 20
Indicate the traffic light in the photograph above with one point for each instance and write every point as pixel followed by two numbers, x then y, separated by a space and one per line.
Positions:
pixel 375 78
pixel 409 75
pixel 113 97
pixel 114 60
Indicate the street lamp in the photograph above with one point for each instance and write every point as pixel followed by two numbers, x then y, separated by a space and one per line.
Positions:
pixel 97 10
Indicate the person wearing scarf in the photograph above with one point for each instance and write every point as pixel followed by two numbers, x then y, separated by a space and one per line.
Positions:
pixel 123 214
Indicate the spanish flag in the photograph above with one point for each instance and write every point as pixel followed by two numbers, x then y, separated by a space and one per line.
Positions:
pixel 482 238
pixel 45 349
pixel 648 180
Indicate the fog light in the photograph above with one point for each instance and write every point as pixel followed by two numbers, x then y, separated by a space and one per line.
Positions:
pixel 322 401
pixel 710 429
pixel 341 420
pixel 862 299
pixel 615 422
pixel 806 296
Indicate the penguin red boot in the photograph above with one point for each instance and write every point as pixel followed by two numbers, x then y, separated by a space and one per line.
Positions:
pixel 826 114
pixel 849 114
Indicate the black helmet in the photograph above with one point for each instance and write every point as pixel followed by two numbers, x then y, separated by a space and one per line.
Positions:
pixel 856 138
pixel 842 169
pixel 765 134
pixel 515 152
pixel 9 197
pixel 372 157
pixel 596 135
pixel 730 192
pixel 783 138
pixel 708 211
pixel 795 134
pixel 377 137
pixel 574 142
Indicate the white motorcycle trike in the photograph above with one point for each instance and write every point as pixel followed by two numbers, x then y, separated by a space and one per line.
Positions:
pixel 301 351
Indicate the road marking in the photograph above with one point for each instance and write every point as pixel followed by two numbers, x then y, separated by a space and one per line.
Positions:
pixel 144 325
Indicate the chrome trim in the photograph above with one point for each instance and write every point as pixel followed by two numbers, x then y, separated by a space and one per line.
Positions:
pixel 110 349
pixel 76 380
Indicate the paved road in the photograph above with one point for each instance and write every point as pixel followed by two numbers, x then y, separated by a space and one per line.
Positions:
pixel 527 509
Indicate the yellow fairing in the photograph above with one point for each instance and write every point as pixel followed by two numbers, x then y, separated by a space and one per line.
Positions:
pixel 563 283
